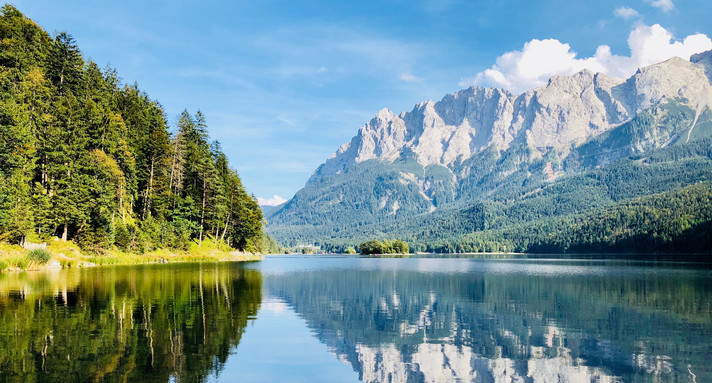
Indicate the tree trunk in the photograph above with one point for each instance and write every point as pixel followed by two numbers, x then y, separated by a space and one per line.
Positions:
pixel 80 228
pixel 44 174
pixel 222 237
pixel 123 210
pixel 227 219
pixel 64 233
pixel 176 165
pixel 202 213
pixel 149 191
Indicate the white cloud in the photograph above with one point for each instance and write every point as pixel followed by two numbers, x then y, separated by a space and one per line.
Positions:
pixel 408 77
pixel 538 60
pixel 274 201
pixel 626 13
pixel 665 5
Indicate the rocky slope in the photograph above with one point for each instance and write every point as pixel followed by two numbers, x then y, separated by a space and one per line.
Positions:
pixel 567 111
pixel 475 141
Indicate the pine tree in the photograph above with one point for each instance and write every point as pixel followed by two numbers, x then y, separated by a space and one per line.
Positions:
pixel 84 158
pixel 65 63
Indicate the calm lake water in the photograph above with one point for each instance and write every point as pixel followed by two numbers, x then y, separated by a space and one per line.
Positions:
pixel 345 319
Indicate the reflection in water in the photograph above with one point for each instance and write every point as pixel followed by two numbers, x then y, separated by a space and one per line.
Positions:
pixel 398 320
pixel 394 320
pixel 147 323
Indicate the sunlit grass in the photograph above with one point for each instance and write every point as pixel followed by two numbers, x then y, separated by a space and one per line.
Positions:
pixel 69 255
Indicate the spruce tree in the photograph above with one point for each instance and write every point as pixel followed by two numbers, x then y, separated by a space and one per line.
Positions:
pixel 85 158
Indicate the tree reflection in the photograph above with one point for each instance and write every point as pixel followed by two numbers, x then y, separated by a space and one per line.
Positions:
pixel 150 323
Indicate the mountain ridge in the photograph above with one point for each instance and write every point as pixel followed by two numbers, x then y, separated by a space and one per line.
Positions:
pixel 567 110
pixel 479 141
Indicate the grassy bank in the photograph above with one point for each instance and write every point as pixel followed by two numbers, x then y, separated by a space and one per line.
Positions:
pixel 58 254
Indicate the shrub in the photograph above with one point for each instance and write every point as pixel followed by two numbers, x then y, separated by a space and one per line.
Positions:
pixel 181 234
pixel 39 255
pixel 122 238
pixel 19 262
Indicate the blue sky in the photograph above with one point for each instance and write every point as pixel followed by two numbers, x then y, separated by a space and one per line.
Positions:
pixel 284 83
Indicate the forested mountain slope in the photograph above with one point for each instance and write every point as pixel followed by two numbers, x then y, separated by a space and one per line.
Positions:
pixel 87 159
pixel 416 175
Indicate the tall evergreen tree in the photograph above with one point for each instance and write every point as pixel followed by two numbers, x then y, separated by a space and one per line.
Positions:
pixel 84 158
pixel 65 63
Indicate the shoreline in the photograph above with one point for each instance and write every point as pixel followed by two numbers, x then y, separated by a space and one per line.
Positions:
pixel 67 255
pixel 705 258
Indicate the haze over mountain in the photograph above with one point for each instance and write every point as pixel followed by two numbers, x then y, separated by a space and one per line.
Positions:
pixel 479 142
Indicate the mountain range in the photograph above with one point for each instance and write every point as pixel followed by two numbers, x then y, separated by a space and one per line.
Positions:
pixel 490 151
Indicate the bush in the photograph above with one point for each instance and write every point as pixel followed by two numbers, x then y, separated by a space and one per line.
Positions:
pixel 20 262
pixel 182 233
pixel 122 238
pixel 39 255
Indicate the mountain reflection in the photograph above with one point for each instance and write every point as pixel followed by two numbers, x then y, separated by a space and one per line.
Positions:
pixel 151 323
pixel 602 325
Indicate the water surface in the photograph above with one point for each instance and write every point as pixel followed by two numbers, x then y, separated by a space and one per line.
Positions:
pixel 347 319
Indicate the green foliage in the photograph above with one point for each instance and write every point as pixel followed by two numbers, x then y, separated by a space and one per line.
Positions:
pixel 679 221
pixel 122 237
pixel 518 216
pixel 399 247
pixel 38 255
pixel 87 159
pixel 375 246
pixel 269 246
pixel 20 263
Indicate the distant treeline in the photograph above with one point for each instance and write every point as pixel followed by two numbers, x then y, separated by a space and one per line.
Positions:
pixel 85 158
pixel 679 221
pixel 655 202
pixel 670 222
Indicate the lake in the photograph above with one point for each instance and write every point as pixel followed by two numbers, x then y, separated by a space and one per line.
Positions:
pixel 345 319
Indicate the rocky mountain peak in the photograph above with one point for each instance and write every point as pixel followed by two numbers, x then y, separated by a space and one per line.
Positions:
pixel 704 60
pixel 673 78
pixel 463 158
pixel 562 114
pixel 383 115
pixel 581 78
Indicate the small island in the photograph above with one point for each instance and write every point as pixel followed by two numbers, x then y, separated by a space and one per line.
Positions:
pixel 375 246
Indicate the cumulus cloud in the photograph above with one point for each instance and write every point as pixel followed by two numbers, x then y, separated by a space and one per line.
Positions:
pixel 665 5
pixel 626 13
pixel 274 201
pixel 538 60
